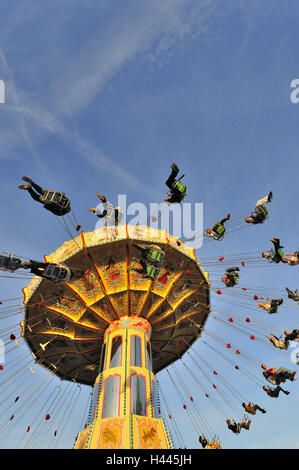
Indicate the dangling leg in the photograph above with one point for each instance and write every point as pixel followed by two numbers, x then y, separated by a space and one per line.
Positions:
pixel 234 268
pixel 262 306
pixel 276 244
pixel 28 188
pixel 170 182
pixel 222 221
pixel 273 341
pixel 264 200
pixel 286 374
pixel 34 266
pixel 279 389
pixel 37 188
pixel 257 407
pixel 103 199
pixel 32 193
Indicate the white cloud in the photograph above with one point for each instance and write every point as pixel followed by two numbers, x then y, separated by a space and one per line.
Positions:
pixel 159 24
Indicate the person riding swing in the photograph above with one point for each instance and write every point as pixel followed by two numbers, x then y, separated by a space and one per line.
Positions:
pixel 9 263
pixel 51 271
pixel 260 213
pixel 276 254
pixel 152 259
pixel 54 201
pixel 217 230
pixel 178 190
pixel 231 277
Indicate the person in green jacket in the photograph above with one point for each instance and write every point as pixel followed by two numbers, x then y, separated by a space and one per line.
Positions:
pixel 177 189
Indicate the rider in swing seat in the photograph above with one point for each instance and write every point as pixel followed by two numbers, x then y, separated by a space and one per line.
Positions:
pixel 231 277
pixel 50 271
pixel 9 263
pixel 152 259
pixel 178 190
pixel 112 214
pixel 260 213
pixel 54 201
pixel 276 254
pixel 217 230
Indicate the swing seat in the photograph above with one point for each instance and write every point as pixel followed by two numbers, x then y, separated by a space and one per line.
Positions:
pixel 155 257
pixel 9 263
pixel 57 273
pixel 218 231
pixel 152 272
pixel 57 200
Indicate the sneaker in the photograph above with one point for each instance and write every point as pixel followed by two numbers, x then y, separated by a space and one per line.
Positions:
pixel 26 265
pixel 28 180
pixel 270 196
pixel 101 197
pixel 174 167
pixel 25 186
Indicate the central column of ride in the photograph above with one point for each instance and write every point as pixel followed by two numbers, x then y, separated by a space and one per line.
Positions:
pixel 125 409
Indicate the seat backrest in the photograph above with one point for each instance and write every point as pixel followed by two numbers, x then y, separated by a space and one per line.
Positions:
pixel 151 271
pixel 180 186
pixel 262 210
pixel 56 198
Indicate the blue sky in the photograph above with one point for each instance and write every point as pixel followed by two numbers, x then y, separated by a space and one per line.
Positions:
pixel 102 96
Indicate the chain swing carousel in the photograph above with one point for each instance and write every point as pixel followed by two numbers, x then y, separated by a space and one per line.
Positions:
pixel 113 329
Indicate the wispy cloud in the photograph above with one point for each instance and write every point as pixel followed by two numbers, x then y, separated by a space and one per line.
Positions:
pixel 139 26
pixel 157 26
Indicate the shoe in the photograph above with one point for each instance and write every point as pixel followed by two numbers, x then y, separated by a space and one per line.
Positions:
pixel 25 186
pixel 26 265
pixel 228 216
pixel 92 209
pixel 263 411
pixel 101 197
pixel 270 196
pixel 174 167
pixel 28 180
